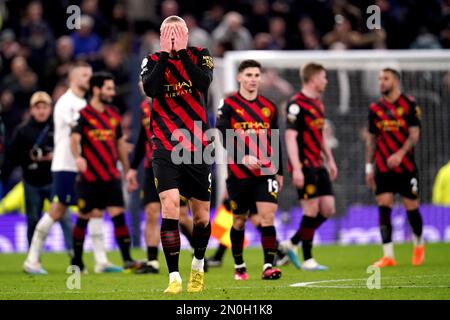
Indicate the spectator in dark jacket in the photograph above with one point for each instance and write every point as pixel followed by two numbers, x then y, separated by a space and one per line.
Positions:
pixel 32 149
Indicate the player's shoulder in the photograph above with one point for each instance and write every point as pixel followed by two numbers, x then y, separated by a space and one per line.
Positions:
pixel 197 50
pixel 229 97
pixel 375 105
pixel 409 99
pixel 266 101
pixel 295 99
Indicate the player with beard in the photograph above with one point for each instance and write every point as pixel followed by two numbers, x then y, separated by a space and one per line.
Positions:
pixel 97 144
pixel 394 127
pixel 64 170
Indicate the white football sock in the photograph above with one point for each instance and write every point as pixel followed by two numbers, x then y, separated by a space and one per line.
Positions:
pixel 40 234
pixel 238 266
pixel 267 265
pixel 173 276
pixel 95 228
pixel 197 265
pixel 388 249
pixel 417 241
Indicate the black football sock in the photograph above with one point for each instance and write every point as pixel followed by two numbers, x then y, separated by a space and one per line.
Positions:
pixel 218 255
pixel 170 240
pixel 122 236
pixel 306 234
pixel 269 243
pixel 237 245
pixel 385 224
pixel 78 235
pixel 152 253
pixel 415 221
pixel 200 239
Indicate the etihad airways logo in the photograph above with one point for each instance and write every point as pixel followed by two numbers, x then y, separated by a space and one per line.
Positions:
pixel 178 89
pixel 255 125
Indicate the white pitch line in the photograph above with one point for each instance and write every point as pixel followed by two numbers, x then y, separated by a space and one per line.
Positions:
pixel 314 284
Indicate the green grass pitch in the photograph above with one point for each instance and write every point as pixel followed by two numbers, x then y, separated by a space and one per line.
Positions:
pixel 346 278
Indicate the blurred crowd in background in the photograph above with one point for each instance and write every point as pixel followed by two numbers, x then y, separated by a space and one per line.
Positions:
pixel 37 48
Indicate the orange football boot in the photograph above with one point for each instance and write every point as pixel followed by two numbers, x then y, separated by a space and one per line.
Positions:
pixel 385 262
pixel 418 255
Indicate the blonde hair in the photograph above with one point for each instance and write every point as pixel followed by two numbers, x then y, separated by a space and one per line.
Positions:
pixel 174 19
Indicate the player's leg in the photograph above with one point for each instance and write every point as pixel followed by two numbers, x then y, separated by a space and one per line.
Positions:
pixel 200 238
pixel 152 208
pixel 281 258
pixel 152 237
pixel 122 235
pixel 416 223
pixel 240 201
pixel 237 235
pixel 112 200
pixel 79 234
pixel 410 196
pixel 308 200
pixel 326 210
pixel 266 211
pixel 95 227
pixel 197 187
pixel 63 190
pixel 385 202
pixel 186 223
pixel 167 181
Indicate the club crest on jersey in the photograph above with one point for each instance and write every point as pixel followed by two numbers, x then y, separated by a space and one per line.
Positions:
pixel 418 112
pixel 113 122
pixel 266 112
pixel 400 111
pixel 310 189
pixel 208 62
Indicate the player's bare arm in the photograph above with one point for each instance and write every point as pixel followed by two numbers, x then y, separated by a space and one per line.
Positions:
pixel 370 154
pixel 75 139
pixel 292 149
pixel 395 159
pixel 332 167
pixel 123 153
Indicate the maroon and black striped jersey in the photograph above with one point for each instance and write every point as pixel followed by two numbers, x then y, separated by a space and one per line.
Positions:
pixel 178 85
pixel 99 132
pixel 306 115
pixel 390 123
pixel 145 123
pixel 246 117
pixel 143 147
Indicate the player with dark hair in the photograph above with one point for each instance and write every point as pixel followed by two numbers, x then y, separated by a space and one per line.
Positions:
pixel 97 144
pixel 310 173
pixel 250 116
pixel 177 78
pixel 64 170
pixel 394 127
